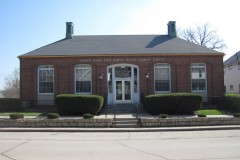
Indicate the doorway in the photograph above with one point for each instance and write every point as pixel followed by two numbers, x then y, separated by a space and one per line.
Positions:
pixel 123 91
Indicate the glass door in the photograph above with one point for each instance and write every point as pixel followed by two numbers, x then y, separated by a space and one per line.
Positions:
pixel 123 90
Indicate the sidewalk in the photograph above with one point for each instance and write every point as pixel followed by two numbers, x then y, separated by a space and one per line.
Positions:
pixel 141 129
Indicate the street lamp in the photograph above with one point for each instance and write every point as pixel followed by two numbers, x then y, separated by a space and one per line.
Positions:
pixel 100 78
pixel 147 77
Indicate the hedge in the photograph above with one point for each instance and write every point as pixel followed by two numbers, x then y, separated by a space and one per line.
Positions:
pixel 16 116
pixel 71 104
pixel 173 103
pixel 231 102
pixel 10 104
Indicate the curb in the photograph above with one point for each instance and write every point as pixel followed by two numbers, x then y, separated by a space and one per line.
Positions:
pixel 162 129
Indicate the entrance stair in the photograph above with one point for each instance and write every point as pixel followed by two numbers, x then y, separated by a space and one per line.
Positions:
pixel 126 122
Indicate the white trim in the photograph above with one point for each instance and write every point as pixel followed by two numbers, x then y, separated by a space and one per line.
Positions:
pixel 51 67
pixel 84 66
pixel 135 96
pixel 170 77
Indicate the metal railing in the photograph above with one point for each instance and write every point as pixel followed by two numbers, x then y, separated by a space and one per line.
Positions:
pixel 39 105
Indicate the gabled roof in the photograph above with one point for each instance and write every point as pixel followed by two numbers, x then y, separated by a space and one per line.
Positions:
pixel 233 59
pixel 120 45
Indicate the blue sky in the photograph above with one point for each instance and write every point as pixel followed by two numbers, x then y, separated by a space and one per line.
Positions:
pixel 29 24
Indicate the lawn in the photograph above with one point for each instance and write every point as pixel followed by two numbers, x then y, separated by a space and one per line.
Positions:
pixel 211 112
pixel 25 113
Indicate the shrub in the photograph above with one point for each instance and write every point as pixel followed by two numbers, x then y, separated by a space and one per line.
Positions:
pixel 201 115
pixel 53 116
pixel 173 103
pixel 236 115
pixel 10 104
pixel 162 116
pixel 16 116
pixel 70 104
pixel 88 115
pixel 231 102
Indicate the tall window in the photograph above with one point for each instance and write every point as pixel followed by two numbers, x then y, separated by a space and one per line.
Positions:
pixel 45 79
pixel 162 78
pixel 198 77
pixel 83 78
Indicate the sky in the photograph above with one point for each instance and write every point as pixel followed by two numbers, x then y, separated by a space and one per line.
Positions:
pixel 29 24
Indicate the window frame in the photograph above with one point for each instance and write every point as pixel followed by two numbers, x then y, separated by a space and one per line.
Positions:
pixel 84 66
pixel 45 67
pixel 169 73
pixel 198 65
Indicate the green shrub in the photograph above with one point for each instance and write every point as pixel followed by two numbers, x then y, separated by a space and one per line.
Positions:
pixel 173 103
pixel 88 115
pixel 53 116
pixel 201 115
pixel 70 104
pixel 162 116
pixel 231 102
pixel 16 116
pixel 236 115
pixel 10 105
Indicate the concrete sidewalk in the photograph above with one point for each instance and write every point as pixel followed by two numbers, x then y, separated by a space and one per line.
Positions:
pixel 141 129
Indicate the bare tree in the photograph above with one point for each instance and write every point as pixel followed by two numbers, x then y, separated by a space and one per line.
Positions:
pixel 12 85
pixel 204 36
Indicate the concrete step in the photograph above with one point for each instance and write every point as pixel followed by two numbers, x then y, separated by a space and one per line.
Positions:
pixel 126 122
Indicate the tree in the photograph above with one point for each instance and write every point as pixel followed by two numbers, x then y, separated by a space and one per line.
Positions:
pixel 204 36
pixel 12 85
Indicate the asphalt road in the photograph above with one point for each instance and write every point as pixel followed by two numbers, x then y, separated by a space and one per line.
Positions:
pixel 184 145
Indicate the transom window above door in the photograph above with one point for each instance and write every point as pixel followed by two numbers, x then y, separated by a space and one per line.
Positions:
pixel 123 71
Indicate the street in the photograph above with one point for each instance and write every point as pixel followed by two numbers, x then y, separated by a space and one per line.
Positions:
pixel 183 145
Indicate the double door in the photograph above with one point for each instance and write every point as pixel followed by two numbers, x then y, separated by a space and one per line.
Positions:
pixel 123 93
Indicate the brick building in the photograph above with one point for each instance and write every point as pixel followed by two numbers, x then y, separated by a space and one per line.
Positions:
pixel 120 67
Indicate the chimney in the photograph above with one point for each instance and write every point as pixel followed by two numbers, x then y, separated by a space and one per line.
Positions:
pixel 172 29
pixel 69 30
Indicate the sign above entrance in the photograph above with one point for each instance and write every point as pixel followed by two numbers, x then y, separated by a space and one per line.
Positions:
pixel 124 60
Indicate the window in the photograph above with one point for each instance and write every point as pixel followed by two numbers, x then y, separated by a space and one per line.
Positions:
pixel 231 87
pixel 83 78
pixel 230 67
pixel 110 84
pixel 162 78
pixel 135 80
pixel 198 77
pixel 45 79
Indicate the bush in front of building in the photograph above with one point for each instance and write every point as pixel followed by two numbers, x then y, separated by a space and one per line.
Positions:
pixel 16 116
pixel 231 102
pixel 173 103
pixel 10 104
pixel 53 115
pixel 71 104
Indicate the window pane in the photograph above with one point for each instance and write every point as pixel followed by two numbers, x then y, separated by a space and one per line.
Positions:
pixel 162 77
pixel 83 78
pixel 110 85
pixel 123 71
pixel 198 75
pixel 45 79
pixel 135 80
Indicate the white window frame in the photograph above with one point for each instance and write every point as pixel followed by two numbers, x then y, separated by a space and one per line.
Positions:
pixel 199 65
pixel 167 65
pixel 41 68
pixel 82 66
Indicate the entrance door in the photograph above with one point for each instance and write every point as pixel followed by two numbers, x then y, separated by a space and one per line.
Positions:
pixel 123 91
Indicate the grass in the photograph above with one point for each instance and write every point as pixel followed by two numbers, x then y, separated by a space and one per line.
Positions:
pixel 211 112
pixel 24 113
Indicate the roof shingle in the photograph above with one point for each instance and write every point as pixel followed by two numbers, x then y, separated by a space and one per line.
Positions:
pixel 120 44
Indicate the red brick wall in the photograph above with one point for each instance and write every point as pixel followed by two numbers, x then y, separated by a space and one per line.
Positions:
pixel 64 72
